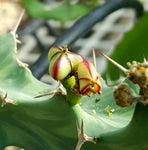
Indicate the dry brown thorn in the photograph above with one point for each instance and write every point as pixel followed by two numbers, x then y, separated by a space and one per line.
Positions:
pixel 6 100
pixel 23 65
pixel 83 137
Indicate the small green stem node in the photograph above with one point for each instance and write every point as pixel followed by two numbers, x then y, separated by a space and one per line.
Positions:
pixel 73 95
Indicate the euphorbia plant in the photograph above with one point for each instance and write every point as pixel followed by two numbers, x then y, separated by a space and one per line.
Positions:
pixel 50 122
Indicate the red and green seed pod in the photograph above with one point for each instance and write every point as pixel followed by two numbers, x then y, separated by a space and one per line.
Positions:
pixel 89 82
pixel 62 62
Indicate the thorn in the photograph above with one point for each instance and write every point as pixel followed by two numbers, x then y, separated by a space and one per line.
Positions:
pixel 94 58
pixel 23 65
pixel 144 59
pixel 115 63
pixel 18 22
pixel 82 128
pixel 46 94
pixel 59 90
pixel 18 41
pixel 13 32
pixel 6 100
pixel 82 137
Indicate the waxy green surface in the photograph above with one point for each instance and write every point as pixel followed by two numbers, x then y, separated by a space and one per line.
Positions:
pixel 50 122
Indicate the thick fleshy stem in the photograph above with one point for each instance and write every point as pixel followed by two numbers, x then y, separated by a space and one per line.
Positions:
pixel 72 96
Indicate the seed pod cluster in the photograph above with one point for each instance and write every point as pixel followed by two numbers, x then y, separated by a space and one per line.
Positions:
pixel 65 64
pixel 138 74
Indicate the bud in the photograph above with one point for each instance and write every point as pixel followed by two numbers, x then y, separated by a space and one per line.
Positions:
pixel 89 82
pixel 62 62
pixel 124 95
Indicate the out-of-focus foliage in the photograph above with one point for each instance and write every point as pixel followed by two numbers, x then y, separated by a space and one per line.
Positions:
pixel 63 12
pixel 132 47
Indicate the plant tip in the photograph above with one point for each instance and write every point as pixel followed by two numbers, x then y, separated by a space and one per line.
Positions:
pixel 18 22
pixel 94 58
pixel 144 59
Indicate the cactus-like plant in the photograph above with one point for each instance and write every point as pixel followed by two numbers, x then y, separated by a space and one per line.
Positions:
pixel 51 123
pixel 47 122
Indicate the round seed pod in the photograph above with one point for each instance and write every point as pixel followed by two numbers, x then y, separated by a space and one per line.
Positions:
pixel 89 82
pixel 62 62
pixel 124 95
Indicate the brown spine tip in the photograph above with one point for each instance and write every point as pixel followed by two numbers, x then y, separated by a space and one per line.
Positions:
pixel 144 59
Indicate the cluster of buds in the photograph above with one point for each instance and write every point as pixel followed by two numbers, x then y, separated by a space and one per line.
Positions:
pixel 124 95
pixel 138 74
pixel 77 75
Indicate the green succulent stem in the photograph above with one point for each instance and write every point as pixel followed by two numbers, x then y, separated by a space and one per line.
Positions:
pixel 72 96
